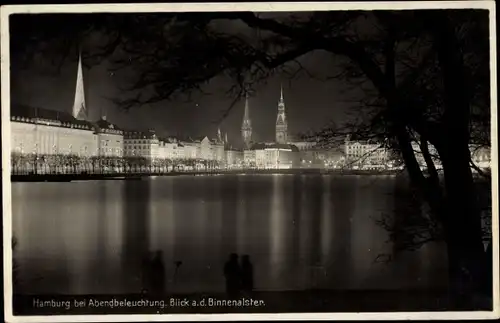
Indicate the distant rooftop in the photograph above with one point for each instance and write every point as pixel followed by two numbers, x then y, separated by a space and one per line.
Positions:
pixel 103 124
pixel 27 114
pixel 133 134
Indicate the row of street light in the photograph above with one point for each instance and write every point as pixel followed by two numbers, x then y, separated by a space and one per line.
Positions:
pixel 24 164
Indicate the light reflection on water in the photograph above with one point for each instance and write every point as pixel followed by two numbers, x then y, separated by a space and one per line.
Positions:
pixel 300 232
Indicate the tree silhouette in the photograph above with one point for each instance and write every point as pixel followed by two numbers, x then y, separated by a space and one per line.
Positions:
pixel 424 76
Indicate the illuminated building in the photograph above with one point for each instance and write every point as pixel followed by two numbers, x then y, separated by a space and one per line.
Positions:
pixel 205 149
pixel 218 153
pixel 110 141
pixel 361 153
pixel 144 144
pixel 191 149
pixel 275 156
pixel 44 132
pixel 169 148
pixel 249 158
pixel 234 158
pixel 218 146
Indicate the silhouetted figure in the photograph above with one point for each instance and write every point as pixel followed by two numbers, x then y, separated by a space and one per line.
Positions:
pixel 157 272
pixel 246 274
pixel 232 272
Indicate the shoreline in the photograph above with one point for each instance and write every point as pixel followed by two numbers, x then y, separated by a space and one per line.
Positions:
pixel 140 176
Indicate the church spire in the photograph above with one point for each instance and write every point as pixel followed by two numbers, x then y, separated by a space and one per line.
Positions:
pixel 247 112
pixel 246 127
pixel 281 123
pixel 79 106
pixel 219 135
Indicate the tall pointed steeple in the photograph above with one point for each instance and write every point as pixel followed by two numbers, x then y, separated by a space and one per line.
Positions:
pixel 247 112
pixel 281 122
pixel 246 127
pixel 219 135
pixel 79 105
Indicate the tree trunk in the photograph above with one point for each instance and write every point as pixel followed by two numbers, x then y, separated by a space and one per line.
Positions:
pixel 462 217
pixel 462 222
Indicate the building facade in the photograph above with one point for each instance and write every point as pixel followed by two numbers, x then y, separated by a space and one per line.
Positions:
pixel 205 149
pixel 191 149
pixel 364 153
pixel 110 140
pixel 218 153
pixel 170 148
pixel 272 156
pixel 43 132
pixel 234 158
pixel 249 158
pixel 143 144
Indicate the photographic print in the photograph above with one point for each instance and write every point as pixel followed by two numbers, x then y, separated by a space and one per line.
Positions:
pixel 239 160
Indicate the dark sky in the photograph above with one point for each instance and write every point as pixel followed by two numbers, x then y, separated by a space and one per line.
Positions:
pixel 310 103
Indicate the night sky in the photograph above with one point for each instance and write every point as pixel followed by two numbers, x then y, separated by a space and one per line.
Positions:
pixel 310 103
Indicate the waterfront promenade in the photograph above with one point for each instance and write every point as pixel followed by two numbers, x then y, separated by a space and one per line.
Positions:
pixel 138 175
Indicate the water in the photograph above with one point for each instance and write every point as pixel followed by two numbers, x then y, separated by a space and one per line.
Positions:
pixel 301 232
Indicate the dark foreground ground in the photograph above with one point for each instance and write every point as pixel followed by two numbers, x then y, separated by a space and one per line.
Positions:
pixel 258 302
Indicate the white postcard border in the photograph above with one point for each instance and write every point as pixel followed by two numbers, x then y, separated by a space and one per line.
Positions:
pixel 256 7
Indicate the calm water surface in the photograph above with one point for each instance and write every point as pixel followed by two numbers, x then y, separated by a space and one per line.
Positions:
pixel 301 231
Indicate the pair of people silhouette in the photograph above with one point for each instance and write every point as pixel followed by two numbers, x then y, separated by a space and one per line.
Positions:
pixel 239 277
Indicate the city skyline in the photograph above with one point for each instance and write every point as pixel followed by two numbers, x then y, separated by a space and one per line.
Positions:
pixel 81 111
pixel 329 99
pixel 263 115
